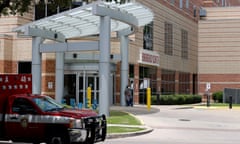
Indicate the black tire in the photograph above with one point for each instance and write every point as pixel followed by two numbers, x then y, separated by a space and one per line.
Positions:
pixel 57 139
pixel 58 136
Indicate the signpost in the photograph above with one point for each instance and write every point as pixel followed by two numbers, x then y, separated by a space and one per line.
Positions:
pixel 208 87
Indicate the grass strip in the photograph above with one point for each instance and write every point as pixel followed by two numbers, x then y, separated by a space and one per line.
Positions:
pixel 122 118
pixel 119 129
pixel 119 117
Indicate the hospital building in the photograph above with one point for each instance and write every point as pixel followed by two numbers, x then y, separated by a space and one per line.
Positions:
pixel 190 45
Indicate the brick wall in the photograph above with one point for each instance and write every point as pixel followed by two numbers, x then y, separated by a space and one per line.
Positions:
pixel 48 77
pixel 218 81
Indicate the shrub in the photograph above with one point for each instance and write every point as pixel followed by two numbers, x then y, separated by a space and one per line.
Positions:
pixel 218 96
pixel 177 99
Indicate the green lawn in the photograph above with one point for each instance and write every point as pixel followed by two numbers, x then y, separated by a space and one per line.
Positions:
pixel 118 117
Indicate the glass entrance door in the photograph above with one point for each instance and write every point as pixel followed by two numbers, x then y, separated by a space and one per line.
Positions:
pixel 77 83
pixel 88 81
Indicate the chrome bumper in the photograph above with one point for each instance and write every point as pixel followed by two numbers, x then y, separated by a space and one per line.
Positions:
pixel 77 135
pixel 94 130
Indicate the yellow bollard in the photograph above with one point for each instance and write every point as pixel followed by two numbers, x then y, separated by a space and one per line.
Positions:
pixel 89 97
pixel 148 98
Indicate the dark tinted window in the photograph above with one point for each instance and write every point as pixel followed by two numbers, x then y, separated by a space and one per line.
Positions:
pixel 23 106
pixel 24 67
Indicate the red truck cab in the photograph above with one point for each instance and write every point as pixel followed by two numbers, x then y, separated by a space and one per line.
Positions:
pixel 38 118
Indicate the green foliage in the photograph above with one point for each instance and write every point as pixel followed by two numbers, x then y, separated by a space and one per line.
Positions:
pixel 21 6
pixel 176 99
pixel 218 96
pixel 14 6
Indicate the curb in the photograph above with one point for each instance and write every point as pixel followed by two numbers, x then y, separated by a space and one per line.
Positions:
pixel 129 134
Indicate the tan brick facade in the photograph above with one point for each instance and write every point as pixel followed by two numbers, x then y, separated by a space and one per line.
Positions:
pixel 213 51
pixel 219 40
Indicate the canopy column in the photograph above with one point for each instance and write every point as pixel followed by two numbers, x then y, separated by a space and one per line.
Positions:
pixel 36 65
pixel 104 65
pixel 124 41
pixel 59 78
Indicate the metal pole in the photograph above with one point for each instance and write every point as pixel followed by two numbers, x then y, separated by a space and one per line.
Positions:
pixel 59 79
pixel 36 65
pixel 104 65
pixel 84 88
pixel 77 87
pixel 208 98
pixel 230 102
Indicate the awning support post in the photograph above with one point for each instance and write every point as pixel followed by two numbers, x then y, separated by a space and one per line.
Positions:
pixel 124 41
pixel 36 65
pixel 104 65
pixel 59 78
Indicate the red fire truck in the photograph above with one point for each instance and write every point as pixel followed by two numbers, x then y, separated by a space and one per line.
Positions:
pixel 25 117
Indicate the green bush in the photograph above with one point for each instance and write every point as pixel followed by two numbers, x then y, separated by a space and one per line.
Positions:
pixel 176 99
pixel 218 96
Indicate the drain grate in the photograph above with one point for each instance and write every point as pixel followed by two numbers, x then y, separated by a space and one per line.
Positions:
pixel 184 120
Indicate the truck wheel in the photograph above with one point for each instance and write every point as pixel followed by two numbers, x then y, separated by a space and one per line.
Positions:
pixel 57 138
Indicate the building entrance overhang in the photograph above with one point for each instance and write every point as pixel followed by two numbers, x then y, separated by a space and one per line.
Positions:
pixel 97 19
pixel 85 21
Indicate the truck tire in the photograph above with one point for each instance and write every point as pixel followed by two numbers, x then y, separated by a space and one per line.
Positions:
pixel 58 136
pixel 57 139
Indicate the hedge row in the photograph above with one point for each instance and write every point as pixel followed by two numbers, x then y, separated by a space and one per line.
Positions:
pixel 176 99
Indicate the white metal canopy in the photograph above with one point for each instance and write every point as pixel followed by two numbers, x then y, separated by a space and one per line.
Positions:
pixel 97 18
pixel 85 21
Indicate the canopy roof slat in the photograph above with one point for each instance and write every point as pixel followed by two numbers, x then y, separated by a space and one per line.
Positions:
pixel 85 21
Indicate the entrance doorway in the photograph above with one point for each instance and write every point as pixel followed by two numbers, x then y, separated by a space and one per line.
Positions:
pixel 87 80
pixel 77 83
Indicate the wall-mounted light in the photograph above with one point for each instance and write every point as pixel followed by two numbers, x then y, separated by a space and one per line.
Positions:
pixel 74 55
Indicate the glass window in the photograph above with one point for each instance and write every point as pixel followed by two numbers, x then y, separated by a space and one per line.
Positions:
pixel 184 83
pixel 47 104
pixel 24 67
pixel 187 4
pixel 168 37
pixel 23 106
pixel 180 4
pixel 168 82
pixel 184 45
pixel 148 36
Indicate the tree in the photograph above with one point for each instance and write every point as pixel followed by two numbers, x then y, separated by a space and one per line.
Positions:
pixel 13 7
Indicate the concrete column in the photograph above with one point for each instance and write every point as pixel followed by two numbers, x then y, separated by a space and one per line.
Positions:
pixel 104 65
pixel 124 41
pixel 36 65
pixel 59 78
pixel 124 66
